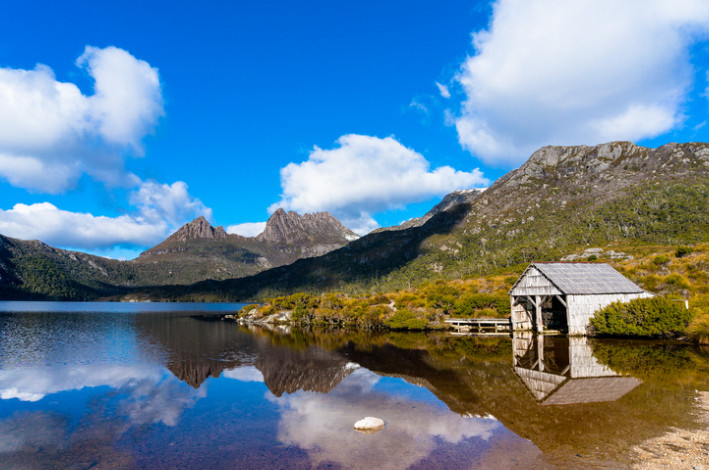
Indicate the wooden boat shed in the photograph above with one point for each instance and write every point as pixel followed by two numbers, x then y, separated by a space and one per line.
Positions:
pixel 564 296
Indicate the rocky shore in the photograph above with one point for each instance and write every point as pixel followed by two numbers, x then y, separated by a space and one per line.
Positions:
pixel 680 448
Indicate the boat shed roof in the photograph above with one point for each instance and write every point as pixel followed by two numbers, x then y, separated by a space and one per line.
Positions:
pixel 582 278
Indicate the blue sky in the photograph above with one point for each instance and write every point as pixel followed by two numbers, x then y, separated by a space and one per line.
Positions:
pixel 144 115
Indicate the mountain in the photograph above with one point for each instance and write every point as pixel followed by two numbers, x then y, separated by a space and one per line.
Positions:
pixel 195 252
pixel 198 251
pixel 560 200
pixel 35 270
pixel 465 196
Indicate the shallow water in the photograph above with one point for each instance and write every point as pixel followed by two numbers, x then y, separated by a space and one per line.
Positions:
pixel 167 389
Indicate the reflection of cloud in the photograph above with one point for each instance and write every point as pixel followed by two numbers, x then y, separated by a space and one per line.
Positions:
pixel 323 425
pixel 153 397
pixel 244 374
pixel 34 384
pixel 161 402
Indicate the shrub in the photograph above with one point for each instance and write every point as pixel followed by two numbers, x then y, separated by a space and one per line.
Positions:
pixel 683 251
pixel 698 330
pixel 246 309
pixel 592 258
pixel 655 316
pixel 406 320
pixel 469 304
pixel 660 260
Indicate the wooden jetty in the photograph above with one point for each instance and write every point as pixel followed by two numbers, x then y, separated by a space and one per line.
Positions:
pixel 480 324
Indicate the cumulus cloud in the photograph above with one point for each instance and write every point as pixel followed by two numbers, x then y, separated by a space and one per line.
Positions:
pixel 247 229
pixel 583 72
pixel 127 98
pixel 363 176
pixel 51 133
pixel 169 202
pixel 161 208
pixel 46 222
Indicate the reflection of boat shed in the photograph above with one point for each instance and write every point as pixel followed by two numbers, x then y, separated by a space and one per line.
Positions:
pixel 564 371
pixel 564 296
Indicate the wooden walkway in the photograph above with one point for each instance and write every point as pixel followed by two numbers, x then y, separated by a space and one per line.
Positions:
pixel 480 324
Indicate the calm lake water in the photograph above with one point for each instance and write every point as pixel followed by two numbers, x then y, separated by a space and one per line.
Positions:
pixel 140 386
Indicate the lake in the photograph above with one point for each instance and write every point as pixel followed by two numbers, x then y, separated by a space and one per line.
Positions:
pixel 174 386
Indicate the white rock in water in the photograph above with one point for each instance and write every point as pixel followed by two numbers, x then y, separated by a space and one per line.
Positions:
pixel 369 424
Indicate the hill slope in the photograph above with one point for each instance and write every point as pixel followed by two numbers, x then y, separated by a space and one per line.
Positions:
pixel 561 199
pixel 195 252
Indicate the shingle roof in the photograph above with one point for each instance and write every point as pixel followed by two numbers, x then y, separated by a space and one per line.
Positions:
pixel 591 390
pixel 587 278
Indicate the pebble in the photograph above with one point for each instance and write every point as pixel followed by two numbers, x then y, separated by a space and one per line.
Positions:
pixel 369 424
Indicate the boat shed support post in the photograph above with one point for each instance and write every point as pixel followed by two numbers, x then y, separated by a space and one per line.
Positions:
pixel 538 311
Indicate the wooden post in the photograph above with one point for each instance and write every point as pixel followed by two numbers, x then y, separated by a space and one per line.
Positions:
pixel 538 309
pixel 540 352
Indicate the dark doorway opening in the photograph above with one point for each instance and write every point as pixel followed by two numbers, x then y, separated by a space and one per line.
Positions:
pixel 554 315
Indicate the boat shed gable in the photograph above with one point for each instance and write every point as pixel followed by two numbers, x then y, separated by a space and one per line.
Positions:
pixel 534 282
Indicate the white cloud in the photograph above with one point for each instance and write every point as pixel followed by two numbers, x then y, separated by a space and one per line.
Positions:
pixel 443 90
pixel 51 133
pixel 162 208
pixel 44 221
pixel 127 99
pixel 363 176
pixel 168 202
pixel 583 72
pixel 247 229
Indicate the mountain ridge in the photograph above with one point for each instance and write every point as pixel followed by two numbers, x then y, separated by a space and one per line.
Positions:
pixel 196 251
pixel 562 199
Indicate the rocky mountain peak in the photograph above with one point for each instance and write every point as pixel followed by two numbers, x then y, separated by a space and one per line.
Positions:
pixel 583 165
pixel 198 228
pixel 291 228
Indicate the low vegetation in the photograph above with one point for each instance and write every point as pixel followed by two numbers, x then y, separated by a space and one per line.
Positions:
pixel 409 309
pixel 674 273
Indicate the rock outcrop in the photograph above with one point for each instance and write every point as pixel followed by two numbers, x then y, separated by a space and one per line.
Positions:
pixel 290 228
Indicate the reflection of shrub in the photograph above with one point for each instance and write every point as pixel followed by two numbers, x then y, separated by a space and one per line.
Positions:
pixel 652 361
pixel 655 316
pixel 406 320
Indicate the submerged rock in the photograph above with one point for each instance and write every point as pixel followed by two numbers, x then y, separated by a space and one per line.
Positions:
pixel 369 424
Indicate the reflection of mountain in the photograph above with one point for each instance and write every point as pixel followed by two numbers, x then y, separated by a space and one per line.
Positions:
pixel 604 414
pixel 563 371
pixel 313 369
pixel 195 348
pixel 476 377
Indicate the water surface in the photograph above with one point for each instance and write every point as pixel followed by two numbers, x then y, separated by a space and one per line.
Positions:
pixel 107 388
